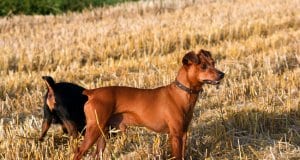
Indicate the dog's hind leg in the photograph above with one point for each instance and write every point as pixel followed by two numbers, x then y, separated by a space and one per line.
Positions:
pixel 97 118
pixel 91 135
pixel 101 144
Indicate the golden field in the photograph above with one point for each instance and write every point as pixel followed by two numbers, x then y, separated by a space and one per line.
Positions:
pixel 253 114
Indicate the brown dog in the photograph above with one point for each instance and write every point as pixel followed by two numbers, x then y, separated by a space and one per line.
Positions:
pixel 167 109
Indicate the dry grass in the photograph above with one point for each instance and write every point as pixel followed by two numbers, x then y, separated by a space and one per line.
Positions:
pixel 253 115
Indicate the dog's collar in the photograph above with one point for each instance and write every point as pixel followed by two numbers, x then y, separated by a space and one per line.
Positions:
pixel 184 88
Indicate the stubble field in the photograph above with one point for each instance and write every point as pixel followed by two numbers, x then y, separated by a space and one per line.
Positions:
pixel 253 114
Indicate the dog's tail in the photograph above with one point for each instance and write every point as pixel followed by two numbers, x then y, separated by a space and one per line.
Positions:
pixel 49 81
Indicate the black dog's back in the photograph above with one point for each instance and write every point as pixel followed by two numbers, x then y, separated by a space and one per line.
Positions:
pixel 70 96
pixel 63 104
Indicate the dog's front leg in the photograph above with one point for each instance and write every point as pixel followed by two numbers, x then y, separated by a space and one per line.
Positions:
pixel 71 127
pixel 67 123
pixel 184 139
pixel 46 122
pixel 45 126
pixel 176 144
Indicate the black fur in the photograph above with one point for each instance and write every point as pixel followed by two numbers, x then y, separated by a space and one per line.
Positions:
pixel 68 107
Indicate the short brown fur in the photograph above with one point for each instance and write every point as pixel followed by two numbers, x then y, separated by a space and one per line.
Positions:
pixel 167 109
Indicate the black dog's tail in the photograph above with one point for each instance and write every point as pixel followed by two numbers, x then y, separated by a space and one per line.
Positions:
pixel 49 80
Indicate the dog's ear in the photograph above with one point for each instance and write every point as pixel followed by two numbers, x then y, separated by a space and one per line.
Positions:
pixel 190 58
pixel 205 53
pixel 49 81
pixel 50 95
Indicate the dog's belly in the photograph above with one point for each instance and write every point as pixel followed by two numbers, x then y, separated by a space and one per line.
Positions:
pixel 122 120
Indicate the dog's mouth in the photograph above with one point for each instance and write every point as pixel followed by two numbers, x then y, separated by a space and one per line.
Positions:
pixel 211 82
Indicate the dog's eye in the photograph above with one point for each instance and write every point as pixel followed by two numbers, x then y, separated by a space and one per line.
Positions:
pixel 203 66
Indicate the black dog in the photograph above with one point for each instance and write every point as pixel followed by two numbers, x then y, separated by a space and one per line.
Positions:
pixel 63 104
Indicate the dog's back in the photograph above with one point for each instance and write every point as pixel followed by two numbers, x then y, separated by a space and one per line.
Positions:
pixel 70 96
pixel 64 103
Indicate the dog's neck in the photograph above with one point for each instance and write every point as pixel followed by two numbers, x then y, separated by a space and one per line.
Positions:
pixel 186 99
pixel 186 89
pixel 183 82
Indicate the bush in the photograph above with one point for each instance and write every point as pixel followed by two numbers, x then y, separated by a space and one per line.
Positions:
pixel 44 7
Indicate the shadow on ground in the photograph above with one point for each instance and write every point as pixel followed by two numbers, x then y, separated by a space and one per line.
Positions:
pixel 246 133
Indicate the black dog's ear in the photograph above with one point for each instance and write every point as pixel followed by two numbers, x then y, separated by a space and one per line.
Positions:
pixel 49 81
pixel 190 58
pixel 205 53
pixel 50 94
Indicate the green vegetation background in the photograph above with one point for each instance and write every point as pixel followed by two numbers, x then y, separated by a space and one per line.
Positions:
pixel 44 7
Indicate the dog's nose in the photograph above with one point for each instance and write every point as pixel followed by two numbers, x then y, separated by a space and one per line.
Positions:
pixel 221 74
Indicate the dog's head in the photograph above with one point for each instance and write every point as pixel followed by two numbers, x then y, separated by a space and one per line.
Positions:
pixel 201 69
